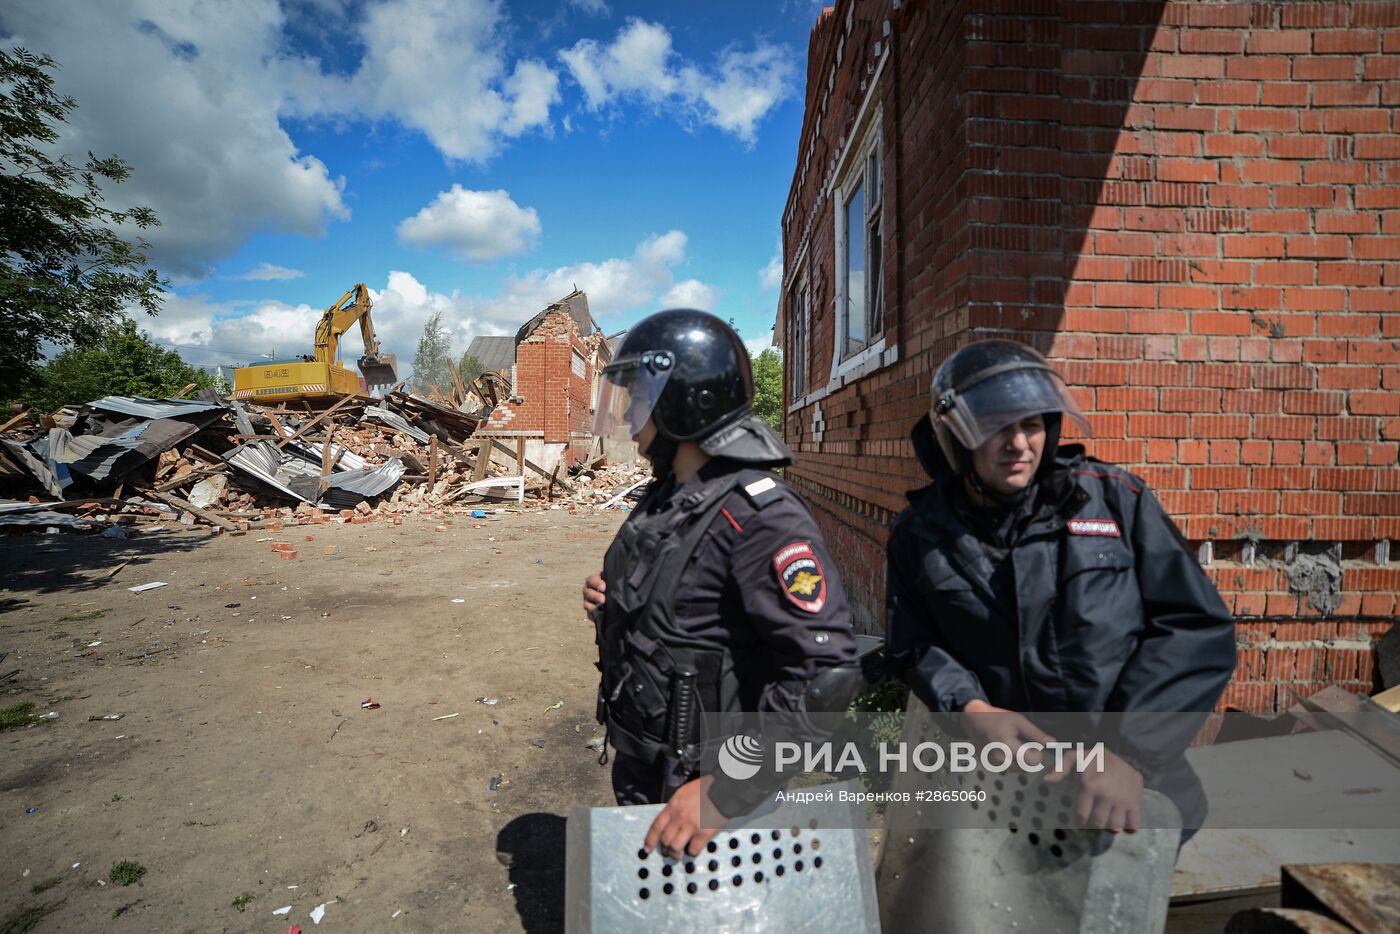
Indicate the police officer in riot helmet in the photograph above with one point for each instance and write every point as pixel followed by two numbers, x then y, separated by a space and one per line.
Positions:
pixel 1029 577
pixel 718 594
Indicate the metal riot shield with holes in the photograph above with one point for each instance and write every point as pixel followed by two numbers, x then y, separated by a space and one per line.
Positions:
pixel 813 874
pixel 1029 870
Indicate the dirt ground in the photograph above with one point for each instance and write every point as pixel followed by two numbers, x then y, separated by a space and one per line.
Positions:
pixel 244 771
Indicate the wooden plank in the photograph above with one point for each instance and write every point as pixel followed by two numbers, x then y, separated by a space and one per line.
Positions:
pixel 326 447
pixel 483 460
pixel 533 466
pixel 309 425
pixel 13 422
pixel 277 427
pixel 460 392
pixel 432 462
pixel 204 514
pixel 520 455
pixel 181 394
pixel 190 477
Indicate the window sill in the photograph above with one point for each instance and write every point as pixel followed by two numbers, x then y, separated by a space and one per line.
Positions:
pixel 853 368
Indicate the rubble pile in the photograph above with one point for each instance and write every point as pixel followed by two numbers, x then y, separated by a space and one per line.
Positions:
pixel 121 464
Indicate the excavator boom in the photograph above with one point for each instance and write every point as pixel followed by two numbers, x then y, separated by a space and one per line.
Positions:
pixel 323 377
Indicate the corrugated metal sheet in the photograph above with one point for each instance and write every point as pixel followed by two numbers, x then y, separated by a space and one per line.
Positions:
pixel 103 459
pixel 393 419
pixel 295 471
pixel 154 408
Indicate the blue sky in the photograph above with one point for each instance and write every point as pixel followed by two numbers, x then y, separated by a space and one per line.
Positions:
pixel 462 156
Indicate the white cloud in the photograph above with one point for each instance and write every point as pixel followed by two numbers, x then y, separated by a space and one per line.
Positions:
pixel 193 95
pixel 180 90
pixel 771 275
pixel 640 64
pixel 269 271
pixel 591 7
pixel 692 293
pixel 479 226
pixel 618 289
pixel 439 66
pixel 757 345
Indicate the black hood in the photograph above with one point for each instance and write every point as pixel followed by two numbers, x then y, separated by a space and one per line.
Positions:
pixel 930 455
pixel 750 441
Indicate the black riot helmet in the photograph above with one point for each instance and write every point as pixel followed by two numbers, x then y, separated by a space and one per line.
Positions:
pixel 990 384
pixel 690 373
pixel 685 369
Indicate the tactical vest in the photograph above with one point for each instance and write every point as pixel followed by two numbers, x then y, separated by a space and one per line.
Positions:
pixel 641 650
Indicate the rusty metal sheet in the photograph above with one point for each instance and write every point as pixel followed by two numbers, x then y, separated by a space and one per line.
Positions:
pixel 1364 895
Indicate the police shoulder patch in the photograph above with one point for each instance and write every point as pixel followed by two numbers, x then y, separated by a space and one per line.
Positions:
pixel 760 487
pixel 1104 527
pixel 801 576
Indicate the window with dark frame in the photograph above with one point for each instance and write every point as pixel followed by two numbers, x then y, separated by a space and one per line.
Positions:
pixel 862 296
pixel 797 341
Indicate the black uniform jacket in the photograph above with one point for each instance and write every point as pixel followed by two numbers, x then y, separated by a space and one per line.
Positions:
pixel 1097 604
pixel 762 583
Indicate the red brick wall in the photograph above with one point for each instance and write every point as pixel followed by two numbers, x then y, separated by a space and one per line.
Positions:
pixel 556 404
pixel 1192 207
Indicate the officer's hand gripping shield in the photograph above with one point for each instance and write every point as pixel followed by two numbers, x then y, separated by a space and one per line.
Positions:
pixel 786 867
pixel 1029 868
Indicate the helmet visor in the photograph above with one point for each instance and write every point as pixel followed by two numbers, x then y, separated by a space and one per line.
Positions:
pixel 985 408
pixel 626 399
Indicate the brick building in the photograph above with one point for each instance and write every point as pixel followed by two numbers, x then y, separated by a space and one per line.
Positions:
pixel 1191 207
pixel 558 356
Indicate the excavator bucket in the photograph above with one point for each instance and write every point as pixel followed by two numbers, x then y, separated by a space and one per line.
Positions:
pixel 380 372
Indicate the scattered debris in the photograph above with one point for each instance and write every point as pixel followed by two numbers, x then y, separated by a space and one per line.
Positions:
pixel 488 701
pixel 369 704
pixel 497 782
pixel 122 466
pixel 284 910
pixel 447 716
pixel 110 716
pixel 555 706
pixel 318 913
pixel 537 742
pixel 145 587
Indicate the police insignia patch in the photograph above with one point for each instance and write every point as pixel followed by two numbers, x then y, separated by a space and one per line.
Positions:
pixel 802 576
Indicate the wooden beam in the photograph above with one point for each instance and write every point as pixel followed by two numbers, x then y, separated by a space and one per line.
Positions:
pixel 188 388
pixel 204 514
pixel 535 467
pixel 326 447
pixel 432 462
pixel 14 421
pixel 190 477
pixel 304 428
pixel 483 460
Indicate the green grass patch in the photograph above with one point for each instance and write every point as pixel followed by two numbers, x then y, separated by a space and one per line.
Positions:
pixel 116 797
pixel 82 617
pixel 44 886
pixel 243 901
pixel 20 715
pixel 126 872
pixel 22 920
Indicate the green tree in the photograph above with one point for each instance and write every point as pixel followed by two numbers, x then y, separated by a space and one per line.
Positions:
pixel 430 363
pixel 768 388
pixel 471 367
pixel 123 362
pixel 66 274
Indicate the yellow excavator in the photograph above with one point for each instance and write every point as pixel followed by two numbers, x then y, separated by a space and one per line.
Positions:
pixel 321 379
